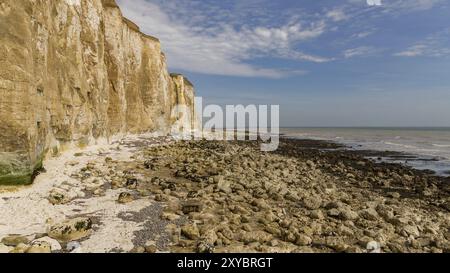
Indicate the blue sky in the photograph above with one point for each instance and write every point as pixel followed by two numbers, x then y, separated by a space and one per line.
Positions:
pixel 326 63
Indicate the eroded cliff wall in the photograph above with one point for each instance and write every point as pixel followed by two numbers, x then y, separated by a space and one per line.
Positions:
pixel 73 72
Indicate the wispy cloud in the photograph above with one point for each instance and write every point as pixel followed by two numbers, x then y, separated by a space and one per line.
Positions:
pixel 336 15
pixel 218 46
pixel 435 45
pixel 362 51
pixel 402 5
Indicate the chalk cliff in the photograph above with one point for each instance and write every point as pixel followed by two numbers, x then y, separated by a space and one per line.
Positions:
pixel 73 72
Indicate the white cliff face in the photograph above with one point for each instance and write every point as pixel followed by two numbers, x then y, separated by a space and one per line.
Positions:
pixel 75 71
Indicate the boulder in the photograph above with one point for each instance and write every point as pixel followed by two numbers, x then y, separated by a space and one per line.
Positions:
pixel 71 230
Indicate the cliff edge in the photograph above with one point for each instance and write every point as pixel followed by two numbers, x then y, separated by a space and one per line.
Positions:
pixel 74 72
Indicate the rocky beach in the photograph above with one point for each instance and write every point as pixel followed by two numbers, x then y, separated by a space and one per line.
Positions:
pixel 149 193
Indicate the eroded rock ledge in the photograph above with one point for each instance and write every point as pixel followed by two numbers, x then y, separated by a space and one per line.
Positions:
pixel 73 72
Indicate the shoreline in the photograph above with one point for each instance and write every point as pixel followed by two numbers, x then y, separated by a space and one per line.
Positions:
pixel 411 159
pixel 155 194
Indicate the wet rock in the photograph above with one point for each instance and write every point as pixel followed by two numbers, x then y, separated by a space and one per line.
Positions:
pixel 71 230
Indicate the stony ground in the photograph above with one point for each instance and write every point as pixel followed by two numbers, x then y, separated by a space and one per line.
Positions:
pixel 214 196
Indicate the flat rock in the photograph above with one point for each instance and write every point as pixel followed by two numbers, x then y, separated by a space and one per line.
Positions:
pixel 14 240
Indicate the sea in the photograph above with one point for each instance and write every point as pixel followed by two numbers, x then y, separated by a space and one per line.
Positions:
pixel 429 148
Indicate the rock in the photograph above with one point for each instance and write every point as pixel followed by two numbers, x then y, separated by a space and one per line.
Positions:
pixel 71 230
pixel 125 197
pixel 54 244
pixel 138 250
pixel 58 197
pixel 190 231
pixel 334 205
pixel 316 214
pixel 410 230
pixel 398 221
pixel 39 247
pixel 260 203
pixel 333 213
pixel 131 183
pixel 336 243
pixel 224 186
pixel 191 206
pixel 20 248
pixel 394 195
pixel 5 249
pixel 369 214
pixel 72 246
pixel 204 247
pixel 257 236
pixel 373 247
pixel 312 203
pixel 151 249
pixel 14 240
pixel 347 214
pixel 304 249
pixel 169 216
pixel 303 240
pixel 210 236
pixel 311 164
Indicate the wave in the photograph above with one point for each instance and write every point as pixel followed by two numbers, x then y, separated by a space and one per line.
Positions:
pixel 441 145
pixel 400 145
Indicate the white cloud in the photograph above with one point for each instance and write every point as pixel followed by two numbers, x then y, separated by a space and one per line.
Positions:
pixel 411 5
pixel 435 45
pixel 221 48
pixel 360 51
pixel 336 15
pixel 416 4
pixel 413 51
